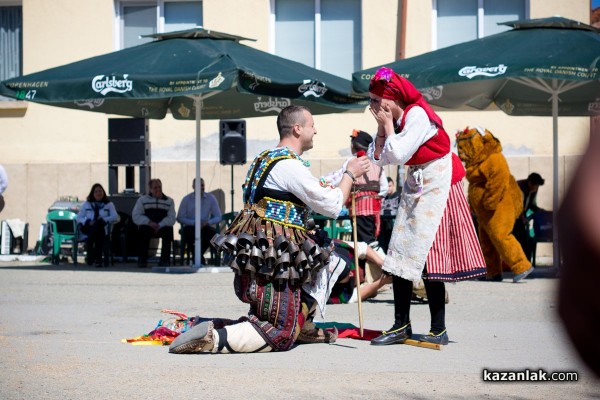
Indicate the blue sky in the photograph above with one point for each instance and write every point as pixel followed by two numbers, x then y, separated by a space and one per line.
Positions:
pixel 595 3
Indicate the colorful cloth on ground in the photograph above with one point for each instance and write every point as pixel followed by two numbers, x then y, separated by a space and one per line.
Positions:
pixel 348 331
pixel 166 330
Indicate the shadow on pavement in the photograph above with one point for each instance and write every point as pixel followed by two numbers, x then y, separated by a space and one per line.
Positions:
pixel 118 267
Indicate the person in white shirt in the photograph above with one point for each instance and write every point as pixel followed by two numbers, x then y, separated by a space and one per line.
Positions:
pixel 269 247
pixel 154 214
pixel 210 215
pixel 3 185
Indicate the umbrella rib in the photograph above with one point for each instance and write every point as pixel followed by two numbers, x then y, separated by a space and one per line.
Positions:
pixel 204 96
pixel 569 85
pixel 541 84
pixel 500 88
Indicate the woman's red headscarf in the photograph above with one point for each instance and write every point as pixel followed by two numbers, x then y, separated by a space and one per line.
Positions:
pixel 389 85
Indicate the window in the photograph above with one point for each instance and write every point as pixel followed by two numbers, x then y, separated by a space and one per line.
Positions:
pixel 11 43
pixel 459 21
pixel 137 18
pixel 324 34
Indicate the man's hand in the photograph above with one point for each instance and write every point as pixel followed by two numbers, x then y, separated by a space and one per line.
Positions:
pixel 358 166
pixel 155 227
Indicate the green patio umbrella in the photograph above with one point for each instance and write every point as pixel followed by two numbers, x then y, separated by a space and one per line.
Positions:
pixel 541 67
pixel 192 74
pixel 165 75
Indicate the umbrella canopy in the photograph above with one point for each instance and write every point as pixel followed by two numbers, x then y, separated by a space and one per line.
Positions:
pixel 542 67
pixel 192 74
pixel 505 67
pixel 149 80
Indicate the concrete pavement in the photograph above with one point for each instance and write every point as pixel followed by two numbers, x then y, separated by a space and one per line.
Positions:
pixel 61 331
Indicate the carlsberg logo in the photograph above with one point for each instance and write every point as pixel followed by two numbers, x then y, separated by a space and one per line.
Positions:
pixel 472 71
pixel 103 84
pixel 274 104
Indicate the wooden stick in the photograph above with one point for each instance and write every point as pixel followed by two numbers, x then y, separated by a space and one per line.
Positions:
pixel 427 345
pixel 356 266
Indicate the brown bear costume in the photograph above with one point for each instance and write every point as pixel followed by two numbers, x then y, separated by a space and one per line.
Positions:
pixel 495 199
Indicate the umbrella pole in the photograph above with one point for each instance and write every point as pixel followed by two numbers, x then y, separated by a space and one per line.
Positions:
pixel 555 249
pixel 197 255
pixel 232 198
pixel 356 266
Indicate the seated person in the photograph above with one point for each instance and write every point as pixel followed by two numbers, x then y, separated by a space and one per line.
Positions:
pixel 529 187
pixel 210 215
pixel 3 185
pixel 389 206
pixel 344 289
pixel 154 214
pixel 94 219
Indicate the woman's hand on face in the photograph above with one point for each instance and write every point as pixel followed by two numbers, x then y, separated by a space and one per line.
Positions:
pixel 383 114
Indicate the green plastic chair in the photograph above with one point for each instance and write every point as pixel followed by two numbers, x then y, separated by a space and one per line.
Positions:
pixel 63 225
pixel 340 228
pixel 343 229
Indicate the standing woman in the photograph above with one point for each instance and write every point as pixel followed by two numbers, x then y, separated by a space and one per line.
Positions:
pixel 433 236
pixel 94 220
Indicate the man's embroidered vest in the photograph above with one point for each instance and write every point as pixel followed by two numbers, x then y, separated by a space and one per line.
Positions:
pixel 269 237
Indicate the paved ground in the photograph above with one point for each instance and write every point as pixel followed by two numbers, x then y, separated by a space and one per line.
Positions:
pixel 61 331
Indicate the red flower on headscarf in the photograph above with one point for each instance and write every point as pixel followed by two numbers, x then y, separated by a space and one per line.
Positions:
pixel 384 74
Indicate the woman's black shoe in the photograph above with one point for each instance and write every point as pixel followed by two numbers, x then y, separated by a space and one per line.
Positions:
pixel 440 338
pixel 394 336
